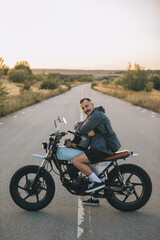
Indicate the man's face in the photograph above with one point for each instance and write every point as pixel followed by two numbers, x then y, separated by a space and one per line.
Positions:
pixel 87 107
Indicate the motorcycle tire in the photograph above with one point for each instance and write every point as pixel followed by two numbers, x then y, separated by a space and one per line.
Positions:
pixel 137 191
pixel 39 196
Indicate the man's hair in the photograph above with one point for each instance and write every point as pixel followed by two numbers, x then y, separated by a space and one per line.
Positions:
pixel 83 99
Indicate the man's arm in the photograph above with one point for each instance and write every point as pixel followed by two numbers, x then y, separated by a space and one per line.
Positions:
pixel 90 124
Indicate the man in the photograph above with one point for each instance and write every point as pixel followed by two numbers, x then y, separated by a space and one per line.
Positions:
pixel 92 126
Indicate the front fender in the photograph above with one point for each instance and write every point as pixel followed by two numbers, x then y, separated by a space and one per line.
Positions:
pixel 38 156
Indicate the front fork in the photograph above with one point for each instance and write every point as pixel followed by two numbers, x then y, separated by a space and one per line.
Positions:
pixel 121 178
pixel 42 166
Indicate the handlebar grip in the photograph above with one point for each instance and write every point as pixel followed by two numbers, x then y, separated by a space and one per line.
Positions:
pixel 63 133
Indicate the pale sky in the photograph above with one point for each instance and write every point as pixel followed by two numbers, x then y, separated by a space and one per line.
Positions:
pixel 82 34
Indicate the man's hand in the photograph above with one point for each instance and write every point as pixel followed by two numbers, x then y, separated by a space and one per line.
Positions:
pixel 77 126
pixel 91 133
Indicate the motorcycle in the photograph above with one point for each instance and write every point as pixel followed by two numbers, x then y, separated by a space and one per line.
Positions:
pixel 128 187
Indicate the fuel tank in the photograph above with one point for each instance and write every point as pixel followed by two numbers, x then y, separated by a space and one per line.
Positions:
pixel 67 154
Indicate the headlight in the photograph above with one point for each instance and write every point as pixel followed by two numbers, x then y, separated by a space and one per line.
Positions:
pixel 44 145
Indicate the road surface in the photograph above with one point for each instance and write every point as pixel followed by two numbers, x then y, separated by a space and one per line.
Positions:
pixel 21 134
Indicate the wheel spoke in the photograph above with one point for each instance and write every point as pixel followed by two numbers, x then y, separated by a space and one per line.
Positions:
pixel 128 179
pixel 37 196
pixel 135 194
pixel 126 197
pixel 25 189
pixel 27 196
pixel 27 181
pixel 137 184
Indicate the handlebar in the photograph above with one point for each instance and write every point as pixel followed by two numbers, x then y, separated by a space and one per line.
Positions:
pixel 62 134
pixel 76 134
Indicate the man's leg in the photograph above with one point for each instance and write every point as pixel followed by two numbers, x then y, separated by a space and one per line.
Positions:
pixel 81 162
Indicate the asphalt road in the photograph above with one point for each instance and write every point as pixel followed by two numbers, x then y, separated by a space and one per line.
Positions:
pixel 21 134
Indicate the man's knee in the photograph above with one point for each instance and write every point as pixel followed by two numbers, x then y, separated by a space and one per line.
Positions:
pixel 75 161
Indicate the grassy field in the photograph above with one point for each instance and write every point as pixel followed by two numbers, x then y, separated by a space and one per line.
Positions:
pixel 18 98
pixel 149 100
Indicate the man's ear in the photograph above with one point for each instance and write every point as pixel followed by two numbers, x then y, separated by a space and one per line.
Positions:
pixel 93 105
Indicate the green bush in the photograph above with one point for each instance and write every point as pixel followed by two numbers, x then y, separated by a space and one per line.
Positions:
pixel 105 81
pixel 3 94
pixel 5 70
pixel 93 84
pixel 49 84
pixel 19 76
pixel 68 84
pixel 156 82
pixel 1 73
pixel 39 77
pixel 27 85
pixel 149 87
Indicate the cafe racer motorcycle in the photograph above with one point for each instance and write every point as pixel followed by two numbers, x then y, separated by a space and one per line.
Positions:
pixel 128 187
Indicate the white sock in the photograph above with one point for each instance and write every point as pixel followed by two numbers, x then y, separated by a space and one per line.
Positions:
pixel 93 177
pixel 93 198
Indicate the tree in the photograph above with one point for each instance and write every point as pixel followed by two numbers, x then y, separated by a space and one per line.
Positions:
pixel 135 79
pixel 3 68
pixel 1 62
pixel 23 65
pixel 21 73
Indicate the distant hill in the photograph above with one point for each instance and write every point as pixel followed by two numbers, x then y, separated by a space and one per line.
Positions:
pixel 76 71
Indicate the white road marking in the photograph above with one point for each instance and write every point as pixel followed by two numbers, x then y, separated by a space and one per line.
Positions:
pixel 80 230
pixel 1 123
pixel 153 114
pixel 22 112
pixel 81 212
pixel 15 116
pixel 90 229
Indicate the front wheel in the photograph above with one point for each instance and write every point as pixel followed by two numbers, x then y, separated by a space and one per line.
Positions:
pixel 28 197
pixel 135 194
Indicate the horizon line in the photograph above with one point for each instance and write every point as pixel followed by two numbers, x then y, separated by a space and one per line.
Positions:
pixel 96 69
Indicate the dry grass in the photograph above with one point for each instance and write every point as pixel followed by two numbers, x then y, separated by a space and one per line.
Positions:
pixel 18 99
pixel 11 87
pixel 149 100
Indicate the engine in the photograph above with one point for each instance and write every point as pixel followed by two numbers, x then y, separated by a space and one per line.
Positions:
pixel 72 171
pixel 77 183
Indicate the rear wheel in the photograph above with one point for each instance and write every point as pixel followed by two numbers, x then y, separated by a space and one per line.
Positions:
pixel 28 197
pixel 135 194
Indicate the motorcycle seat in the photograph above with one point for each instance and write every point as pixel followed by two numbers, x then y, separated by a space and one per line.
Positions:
pixel 118 155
